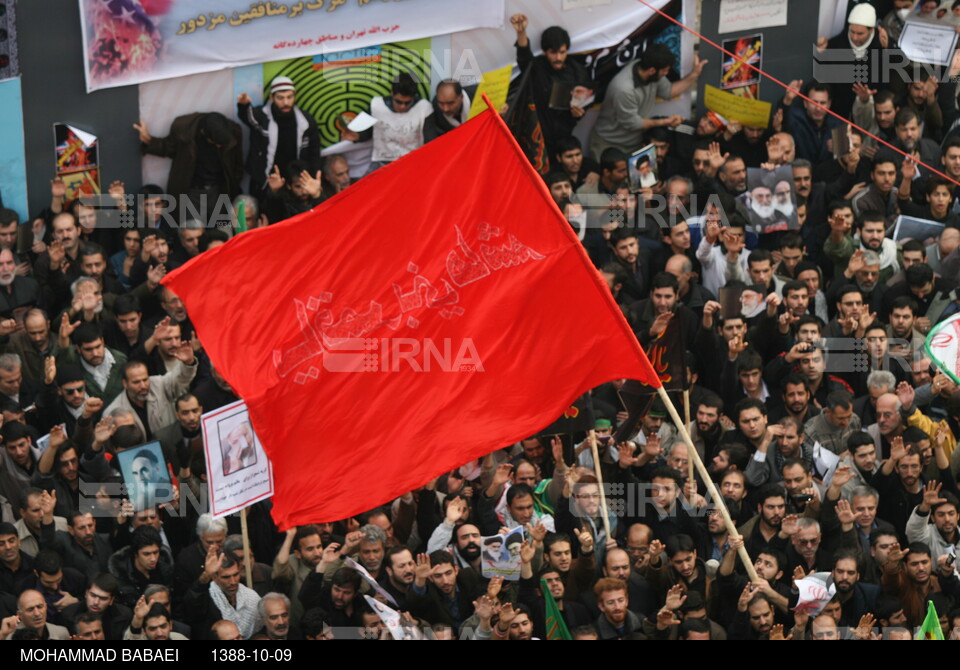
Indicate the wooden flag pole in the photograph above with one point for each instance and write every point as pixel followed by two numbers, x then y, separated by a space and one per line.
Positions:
pixel 248 564
pixel 686 419
pixel 711 488
pixel 592 439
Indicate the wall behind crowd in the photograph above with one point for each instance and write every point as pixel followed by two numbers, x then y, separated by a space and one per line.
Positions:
pixel 53 90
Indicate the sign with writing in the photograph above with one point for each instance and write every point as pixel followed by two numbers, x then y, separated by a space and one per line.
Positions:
pixel 928 42
pixel 755 113
pixel 133 41
pixel 737 15
pixel 238 470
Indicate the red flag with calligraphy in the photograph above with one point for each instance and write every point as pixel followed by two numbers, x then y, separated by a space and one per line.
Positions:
pixel 408 325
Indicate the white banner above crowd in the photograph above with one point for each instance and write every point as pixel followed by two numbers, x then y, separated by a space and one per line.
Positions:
pixel 135 41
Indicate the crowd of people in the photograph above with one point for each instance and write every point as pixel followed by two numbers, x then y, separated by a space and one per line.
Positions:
pixel 828 431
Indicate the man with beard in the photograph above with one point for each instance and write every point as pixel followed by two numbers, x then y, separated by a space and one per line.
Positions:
pixel 227 598
pixel 650 317
pixel 789 444
pixel 100 599
pixel 770 566
pixel 570 161
pixel 451 107
pixel 630 97
pixel 274 611
pixel 531 594
pixel 907 125
pixel 400 571
pixel 290 571
pixel 880 196
pixel 34 343
pixel 102 367
pixel 82 547
pixel 889 425
pixel 17 294
pixel 855 597
pixel 280 133
pixel 460 539
pixel 755 616
pixel 899 484
pixel 797 400
pixel 692 293
pixel 211 534
pixel 616 621
pixel 441 592
pixel 942 534
pixel 764 530
pixel 182 441
pixel 561 188
pixel 707 429
pixel 909 575
pixel 627 254
pixel 862 271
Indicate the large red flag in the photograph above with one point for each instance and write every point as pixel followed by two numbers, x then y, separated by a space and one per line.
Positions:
pixel 408 325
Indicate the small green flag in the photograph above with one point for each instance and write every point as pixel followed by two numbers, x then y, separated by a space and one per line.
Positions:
pixel 930 628
pixel 555 625
pixel 241 217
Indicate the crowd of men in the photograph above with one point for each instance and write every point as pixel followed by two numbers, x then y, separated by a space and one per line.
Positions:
pixel 828 431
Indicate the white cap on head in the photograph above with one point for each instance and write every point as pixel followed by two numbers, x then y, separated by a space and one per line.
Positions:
pixel 863 15
pixel 281 84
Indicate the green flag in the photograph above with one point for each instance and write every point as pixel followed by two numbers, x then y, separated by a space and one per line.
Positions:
pixel 930 628
pixel 241 217
pixel 555 625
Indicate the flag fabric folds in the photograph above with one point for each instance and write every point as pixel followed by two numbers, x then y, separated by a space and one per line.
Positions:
pixel 930 628
pixel 407 325
pixel 556 627
pixel 943 346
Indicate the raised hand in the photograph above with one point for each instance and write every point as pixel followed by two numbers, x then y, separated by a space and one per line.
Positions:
pixel 104 430
pixel 155 274
pixel 213 562
pixel 660 323
pixel 330 554
pixel 863 91
pixel 776 633
pixel 789 525
pixel 275 180
pixel 845 514
pixel 796 85
pixel 519 23
pixel 527 551
pixel 842 475
pixel 56 253
pixel 422 571
pixel 49 369
pixel 538 532
pixel 310 184
pixel 931 496
pixel 243 99
pixel 897 449
pixel 495 585
pixel 666 618
pixel 716 158
pixel 625 451
pixel 676 596
pixel 57 438
pixel 502 474
pixel 864 629
pixel 141 128
pixel 484 608
pixel 896 554
pixel 556 449
pixel 455 510
pixel 906 395
pixel 184 353
pixel 586 541
pixel 117 192
pixel 507 615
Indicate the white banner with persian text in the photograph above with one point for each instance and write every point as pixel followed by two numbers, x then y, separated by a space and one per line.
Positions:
pixel 135 41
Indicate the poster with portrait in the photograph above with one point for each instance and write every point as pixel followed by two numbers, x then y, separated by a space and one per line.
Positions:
pixel 500 555
pixel 146 476
pixel 736 75
pixel 642 168
pixel 770 201
pixel 238 470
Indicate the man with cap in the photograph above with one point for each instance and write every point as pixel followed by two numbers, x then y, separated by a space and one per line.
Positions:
pixel 280 133
pixel 852 47
pixel 207 158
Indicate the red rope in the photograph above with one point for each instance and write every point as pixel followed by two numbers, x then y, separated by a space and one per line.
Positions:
pixel 796 92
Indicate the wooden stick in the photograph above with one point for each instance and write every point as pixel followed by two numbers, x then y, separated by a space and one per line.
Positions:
pixel 248 564
pixel 686 420
pixel 592 438
pixel 711 488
